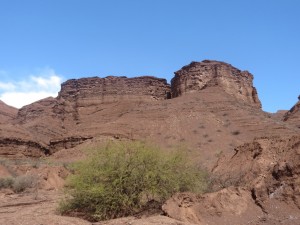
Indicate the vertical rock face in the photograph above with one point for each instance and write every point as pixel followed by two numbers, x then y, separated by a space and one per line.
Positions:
pixel 199 75
pixel 56 118
pixel 115 88
pixel 81 95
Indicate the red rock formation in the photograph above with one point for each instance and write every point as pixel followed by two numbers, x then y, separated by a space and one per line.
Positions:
pixel 7 113
pixel 293 115
pixel 260 185
pixel 216 116
pixel 55 121
pixel 199 75
pixel 113 88
pixel 20 147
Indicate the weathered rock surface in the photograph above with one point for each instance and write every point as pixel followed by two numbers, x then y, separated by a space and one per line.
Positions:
pixel 293 115
pixel 225 207
pixel 14 148
pixel 7 113
pixel 269 168
pixel 43 119
pixel 259 185
pixel 213 111
pixel 215 117
pixel 59 118
pixel 199 75
pixel 110 89
pixel 67 143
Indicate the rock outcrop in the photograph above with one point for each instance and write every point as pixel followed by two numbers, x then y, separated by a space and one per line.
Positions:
pixel 16 148
pixel 96 90
pixel 222 105
pixel 259 185
pixel 269 167
pixel 253 183
pixel 199 75
pixel 225 207
pixel 293 115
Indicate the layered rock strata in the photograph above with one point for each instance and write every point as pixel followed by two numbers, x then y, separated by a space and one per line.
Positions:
pixel 199 75
pixel 113 88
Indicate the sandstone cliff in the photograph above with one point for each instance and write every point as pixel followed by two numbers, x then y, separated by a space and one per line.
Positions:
pixel 111 88
pixel 199 75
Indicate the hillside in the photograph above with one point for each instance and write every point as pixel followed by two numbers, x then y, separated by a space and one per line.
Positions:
pixel 210 108
pixel 293 115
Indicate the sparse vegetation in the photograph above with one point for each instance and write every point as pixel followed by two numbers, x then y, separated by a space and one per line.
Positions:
pixel 6 182
pixel 218 182
pixel 18 184
pixel 121 179
pixel 21 183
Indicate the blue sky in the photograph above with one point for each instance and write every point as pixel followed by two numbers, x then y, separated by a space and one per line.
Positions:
pixel 44 43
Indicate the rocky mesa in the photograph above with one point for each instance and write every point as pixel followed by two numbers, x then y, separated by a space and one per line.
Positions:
pixel 199 75
pixel 147 107
pixel 211 108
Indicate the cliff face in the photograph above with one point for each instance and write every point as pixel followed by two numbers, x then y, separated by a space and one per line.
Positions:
pixel 200 75
pixel 59 122
pixel 221 104
pixel 114 88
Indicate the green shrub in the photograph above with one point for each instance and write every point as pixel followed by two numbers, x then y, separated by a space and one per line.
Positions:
pixel 119 179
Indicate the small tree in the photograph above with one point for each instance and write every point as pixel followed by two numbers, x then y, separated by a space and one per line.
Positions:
pixel 119 179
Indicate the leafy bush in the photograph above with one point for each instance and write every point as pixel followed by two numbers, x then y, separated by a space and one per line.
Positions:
pixel 120 179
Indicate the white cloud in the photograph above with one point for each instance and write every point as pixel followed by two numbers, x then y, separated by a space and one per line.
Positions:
pixel 7 86
pixel 32 88
pixel 19 99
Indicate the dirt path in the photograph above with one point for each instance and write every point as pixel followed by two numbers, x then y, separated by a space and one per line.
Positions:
pixel 33 209
pixel 40 209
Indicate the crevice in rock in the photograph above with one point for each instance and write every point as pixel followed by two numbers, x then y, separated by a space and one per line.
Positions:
pixel 256 201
